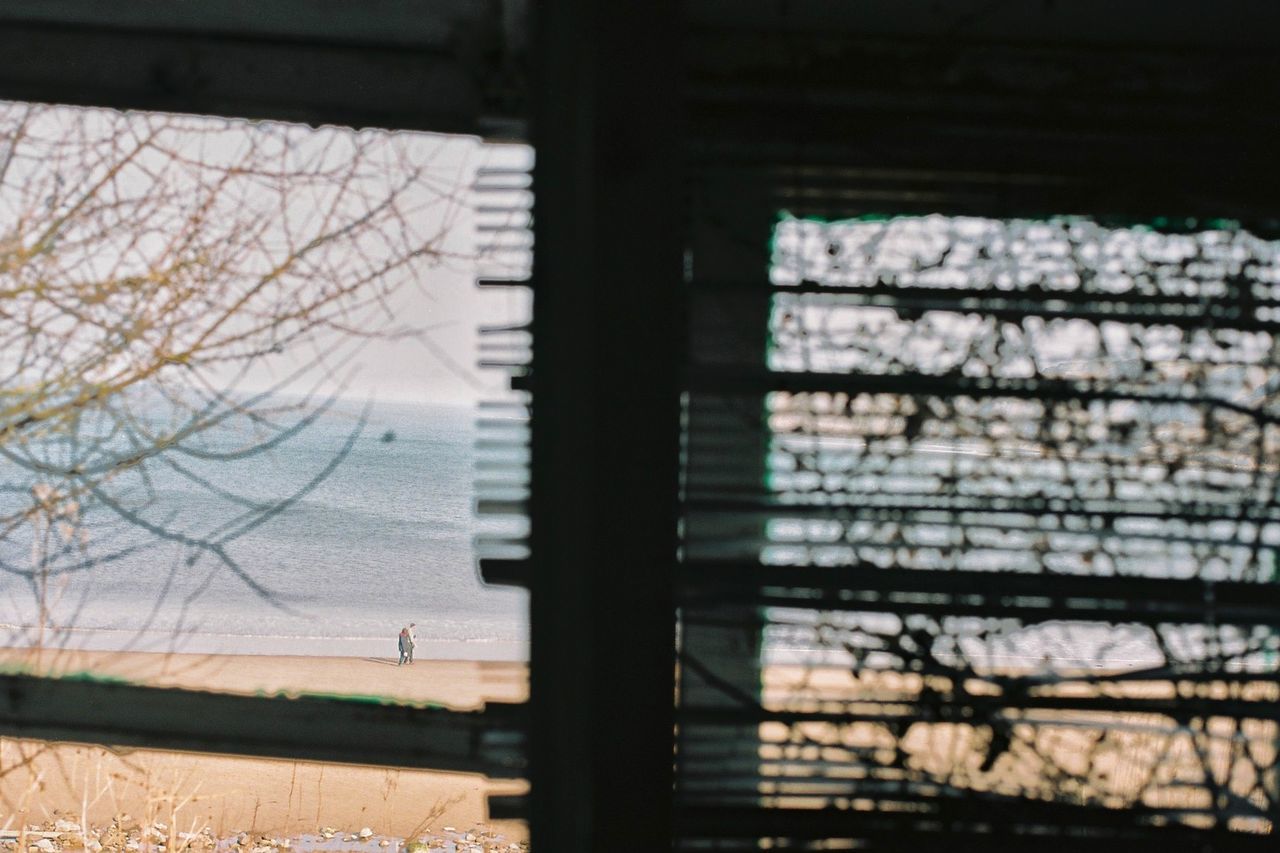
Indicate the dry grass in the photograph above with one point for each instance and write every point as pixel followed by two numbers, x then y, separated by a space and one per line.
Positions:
pixel 94 798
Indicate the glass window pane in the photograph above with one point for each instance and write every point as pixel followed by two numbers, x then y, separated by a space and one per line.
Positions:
pixel 239 403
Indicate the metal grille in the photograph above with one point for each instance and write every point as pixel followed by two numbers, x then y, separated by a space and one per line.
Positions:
pixel 504 230
pixel 504 223
pixel 1005 564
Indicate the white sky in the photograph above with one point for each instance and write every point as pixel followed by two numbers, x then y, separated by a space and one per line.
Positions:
pixel 440 301
pixel 449 307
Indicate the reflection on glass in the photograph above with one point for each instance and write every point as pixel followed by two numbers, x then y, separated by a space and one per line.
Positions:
pixel 236 401
pixel 1056 449
pixel 1005 555
pixel 237 444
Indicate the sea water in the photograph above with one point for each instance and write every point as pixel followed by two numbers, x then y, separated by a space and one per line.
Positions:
pixel 384 539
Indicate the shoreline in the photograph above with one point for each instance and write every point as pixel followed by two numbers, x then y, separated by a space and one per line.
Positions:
pixel 129 640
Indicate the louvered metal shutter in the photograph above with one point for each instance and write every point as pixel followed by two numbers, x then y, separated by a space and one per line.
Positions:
pixel 979 501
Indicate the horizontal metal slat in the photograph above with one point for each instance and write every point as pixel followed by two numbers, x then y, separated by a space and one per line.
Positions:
pixel 973 823
pixel 359 730
pixel 722 381
pixel 1112 598
pixel 502 572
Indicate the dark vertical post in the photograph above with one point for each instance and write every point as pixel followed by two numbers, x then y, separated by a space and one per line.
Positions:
pixel 731 224
pixel 605 425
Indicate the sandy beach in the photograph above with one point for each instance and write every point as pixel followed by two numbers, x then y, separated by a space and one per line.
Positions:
pixel 40 783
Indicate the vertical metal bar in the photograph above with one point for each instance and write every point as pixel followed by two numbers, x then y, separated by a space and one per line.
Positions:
pixel 605 424
pixel 730 235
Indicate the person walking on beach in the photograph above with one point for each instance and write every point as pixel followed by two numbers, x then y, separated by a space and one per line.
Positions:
pixel 404 646
pixel 411 640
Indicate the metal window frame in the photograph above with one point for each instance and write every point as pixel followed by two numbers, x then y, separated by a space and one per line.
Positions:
pixel 617 119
